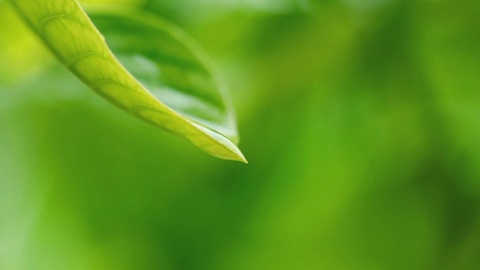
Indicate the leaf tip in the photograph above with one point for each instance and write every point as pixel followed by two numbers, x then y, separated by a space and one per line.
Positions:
pixel 233 153
pixel 242 158
pixel 218 145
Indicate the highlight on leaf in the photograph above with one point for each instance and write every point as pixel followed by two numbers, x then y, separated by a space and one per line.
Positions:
pixel 150 69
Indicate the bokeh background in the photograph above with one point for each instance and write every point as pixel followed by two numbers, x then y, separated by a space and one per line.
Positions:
pixel 360 120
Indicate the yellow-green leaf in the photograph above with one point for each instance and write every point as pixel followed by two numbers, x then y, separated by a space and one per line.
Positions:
pixel 155 72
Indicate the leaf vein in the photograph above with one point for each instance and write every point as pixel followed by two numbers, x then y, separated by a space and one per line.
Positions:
pixel 44 21
pixel 75 59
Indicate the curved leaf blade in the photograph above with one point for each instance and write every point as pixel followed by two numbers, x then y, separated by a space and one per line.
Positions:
pixel 203 117
pixel 169 64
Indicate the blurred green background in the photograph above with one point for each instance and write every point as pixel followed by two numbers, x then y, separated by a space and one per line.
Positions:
pixel 360 120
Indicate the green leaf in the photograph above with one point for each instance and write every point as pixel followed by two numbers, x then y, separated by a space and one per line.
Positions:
pixel 167 79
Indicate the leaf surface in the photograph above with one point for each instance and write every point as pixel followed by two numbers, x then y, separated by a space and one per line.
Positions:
pixel 156 72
